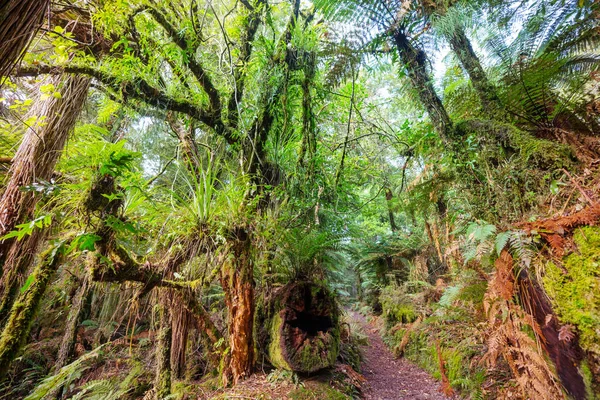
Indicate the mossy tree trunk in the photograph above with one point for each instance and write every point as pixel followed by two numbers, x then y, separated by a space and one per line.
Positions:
pixel 73 319
pixel 461 46
pixel 415 62
pixel 299 328
pixel 24 309
pixel 34 162
pixel 238 285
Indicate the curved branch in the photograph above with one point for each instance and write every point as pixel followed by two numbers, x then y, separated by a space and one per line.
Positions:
pixel 195 67
pixel 139 90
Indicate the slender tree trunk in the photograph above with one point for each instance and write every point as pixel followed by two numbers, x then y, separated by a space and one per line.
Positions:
pixel 162 381
pixel 19 21
pixel 68 341
pixel 415 61
pixel 23 311
pixel 237 282
pixel 34 161
pixel 205 326
pixel 461 46
pixel 388 199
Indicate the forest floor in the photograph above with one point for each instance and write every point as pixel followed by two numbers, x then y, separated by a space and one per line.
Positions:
pixel 389 378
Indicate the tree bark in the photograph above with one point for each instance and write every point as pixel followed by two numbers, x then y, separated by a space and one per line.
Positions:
pixel 300 329
pixel 415 61
pixel 461 46
pixel 162 381
pixel 19 21
pixel 35 161
pixel 181 319
pixel 238 285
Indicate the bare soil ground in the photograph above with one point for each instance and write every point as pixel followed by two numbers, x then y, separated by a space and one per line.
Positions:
pixel 389 378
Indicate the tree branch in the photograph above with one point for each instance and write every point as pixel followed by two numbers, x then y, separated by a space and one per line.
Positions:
pixel 140 90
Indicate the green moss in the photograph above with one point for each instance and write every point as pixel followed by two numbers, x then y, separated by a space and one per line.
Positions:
pixel 588 379
pixel 25 307
pixel 474 292
pixel 318 390
pixel 397 307
pixel 275 355
pixel 576 293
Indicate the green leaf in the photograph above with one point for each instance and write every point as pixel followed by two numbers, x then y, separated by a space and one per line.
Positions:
pixel 501 241
pixel 27 283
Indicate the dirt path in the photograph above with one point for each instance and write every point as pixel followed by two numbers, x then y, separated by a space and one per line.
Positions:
pixel 389 378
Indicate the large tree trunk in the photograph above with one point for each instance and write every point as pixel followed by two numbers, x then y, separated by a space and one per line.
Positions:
pixel 19 21
pixel 461 46
pixel 299 330
pixel 34 161
pixel 415 61
pixel 23 311
pixel 238 285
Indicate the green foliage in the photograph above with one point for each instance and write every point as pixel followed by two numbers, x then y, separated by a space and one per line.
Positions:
pixel 397 306
pixel 317 390
pixel 27 228
pixel 65 376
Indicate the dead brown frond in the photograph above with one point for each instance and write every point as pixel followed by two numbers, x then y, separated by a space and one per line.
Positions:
pixel 556 230
pixel 507 337
pixel 399 350
pixel 446 388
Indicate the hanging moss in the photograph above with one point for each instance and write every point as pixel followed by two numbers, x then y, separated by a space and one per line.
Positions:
pixel 575 290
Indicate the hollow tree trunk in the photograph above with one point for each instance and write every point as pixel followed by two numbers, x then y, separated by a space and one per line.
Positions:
pixel 238 285
pixel 23 310
pixel 300 329
pixel 461 46
pixel 35 161
pixel 415 61
pixel 19 21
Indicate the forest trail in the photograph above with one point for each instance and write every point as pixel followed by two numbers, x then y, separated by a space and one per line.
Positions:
pixel 389 378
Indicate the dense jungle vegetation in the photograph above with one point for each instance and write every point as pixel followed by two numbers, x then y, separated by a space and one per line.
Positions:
pixel 234 198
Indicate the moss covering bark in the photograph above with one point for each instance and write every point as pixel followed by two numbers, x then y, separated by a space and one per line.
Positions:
pixel 301 331
pixel 575 287
pixel 24 309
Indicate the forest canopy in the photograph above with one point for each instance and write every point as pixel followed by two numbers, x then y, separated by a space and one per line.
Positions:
pixel 225 198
